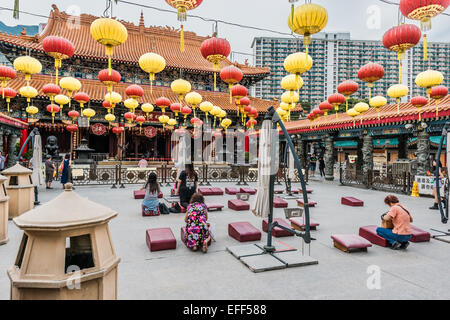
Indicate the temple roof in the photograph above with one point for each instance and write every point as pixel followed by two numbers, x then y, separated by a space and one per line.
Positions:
pixel 96 91
pixel 388 115
pixel 141 39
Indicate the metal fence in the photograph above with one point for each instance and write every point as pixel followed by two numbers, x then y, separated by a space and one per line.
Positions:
pixel 120 175
pixel 398 182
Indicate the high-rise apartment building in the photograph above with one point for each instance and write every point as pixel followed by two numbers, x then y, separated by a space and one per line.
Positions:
pixel 337 58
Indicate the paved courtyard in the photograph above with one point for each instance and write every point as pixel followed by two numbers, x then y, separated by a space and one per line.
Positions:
pixel 420 272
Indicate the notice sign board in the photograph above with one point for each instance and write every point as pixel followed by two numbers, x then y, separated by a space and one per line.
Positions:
pixel 426 184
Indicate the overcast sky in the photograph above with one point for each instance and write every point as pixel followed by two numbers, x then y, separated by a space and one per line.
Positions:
pixel 364 19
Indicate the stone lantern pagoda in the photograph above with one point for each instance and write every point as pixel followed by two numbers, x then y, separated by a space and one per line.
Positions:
pixel 3 211
pixel 19 186
pixel 66 251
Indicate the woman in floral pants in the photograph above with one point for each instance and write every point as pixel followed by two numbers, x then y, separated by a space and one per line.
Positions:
pixel 197 232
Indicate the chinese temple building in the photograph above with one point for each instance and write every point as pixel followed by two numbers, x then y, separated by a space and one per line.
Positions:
pixel 89 59
pixel 375 139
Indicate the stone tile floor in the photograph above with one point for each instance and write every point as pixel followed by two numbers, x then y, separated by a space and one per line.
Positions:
pixel 420 272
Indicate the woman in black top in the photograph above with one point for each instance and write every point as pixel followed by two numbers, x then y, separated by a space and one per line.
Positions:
pixel 187 184
pixel 322 167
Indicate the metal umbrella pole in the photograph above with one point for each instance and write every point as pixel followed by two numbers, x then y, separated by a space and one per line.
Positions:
pixel 33 133
pixel 306 235
pixel 443 211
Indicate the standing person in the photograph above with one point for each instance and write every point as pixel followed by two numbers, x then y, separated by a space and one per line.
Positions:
pixel 441 176
pixel 49 169
pixel 151 202
pixel 322 167
pixel 399 236
pixel 2 161
pixel 197 231
pixel 187 185
pixel 312 164
pixel 64 168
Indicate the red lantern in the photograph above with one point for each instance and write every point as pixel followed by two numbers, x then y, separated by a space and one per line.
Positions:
pixel 134 91
pixel 6 74
pixel 118 130
pixel 215 50
pixel 251 123
pixel 370 73
pixel 140 120
pixel 437 93
pixel 53 108
pixel 423 10
pixel 337 99
pixel 196 122
pixel 107 106
pixel 9 94
pixel 51 90
pixel 238 92
pixel 59 49
pixel 175 108
pixel 182 6
pixel 185 111
pixel 162 103
pixel 72 128
pixel 109 79
pixel 129 116
pixel 400 39
pixel 419 102
pixel 231 75
pixel 81 98
pixel 326 107
pixel 73 114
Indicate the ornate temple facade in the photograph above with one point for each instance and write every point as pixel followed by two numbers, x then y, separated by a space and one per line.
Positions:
pixel 375 140
pixel 89 59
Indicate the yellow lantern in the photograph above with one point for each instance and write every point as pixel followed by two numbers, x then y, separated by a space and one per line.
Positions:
pixel 62 100
pixel 180 87
pixel 131 104
pixel 163 119
pixel 110 33
pixel 308 19
pixel 206 107
pixel 28 92
pixel 113 98
pixel 290 99
pixel 194 99
pixel 70 84
pixel 361 107
pixel 215 111
pixel 32 110
pixel 298 63
pixel 377 102
pixel 352 113
pixel 172 122
pixel 110 118
pixel 282 113
pixel 89 113
pixel 222 114
pixel 147 108
pixel 429 79
pixel 292 83
pixel 284 106
pixel 398 91
pixel 28 66
pixel 152 63
pixel 226 123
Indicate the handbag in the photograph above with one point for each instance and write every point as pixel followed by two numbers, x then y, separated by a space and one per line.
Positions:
pixel 387 224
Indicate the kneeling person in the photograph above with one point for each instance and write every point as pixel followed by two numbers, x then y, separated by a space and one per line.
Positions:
pixel 401 220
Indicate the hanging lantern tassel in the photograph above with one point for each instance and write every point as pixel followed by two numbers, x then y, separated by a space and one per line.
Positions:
pixel 151 78
pixel 420 116
pixel 306 42
pixel 398 105
pixel 437 110
pixel 346 103
pixel 7 104
pixel 182 39
pixel 425 48
pixel 378 112
pixel 109 53
pixel 229 89
pixel 400 57
pixel 57 66
pixel 370 90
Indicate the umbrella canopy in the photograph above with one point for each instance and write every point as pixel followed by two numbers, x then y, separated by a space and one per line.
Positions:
pixel 265 168
pixel 37 177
